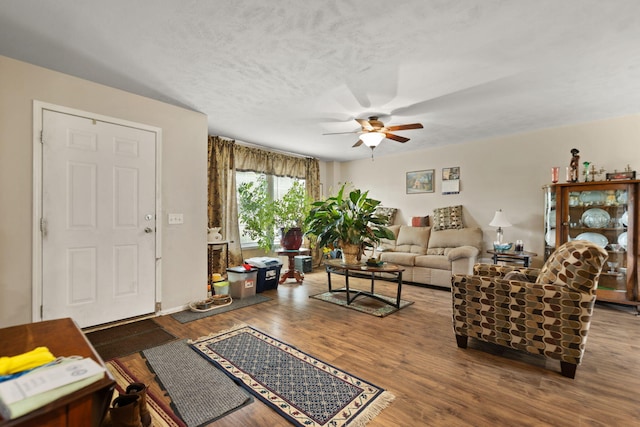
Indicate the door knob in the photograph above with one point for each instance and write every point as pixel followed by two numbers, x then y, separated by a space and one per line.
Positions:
pixel 148 230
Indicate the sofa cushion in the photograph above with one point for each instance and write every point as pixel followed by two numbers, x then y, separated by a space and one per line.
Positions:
pixel 447 218
pixel 435 251
pixel 413 239
pixel 433 261
pixel 456 238
pixel 390 245
pixel 401 258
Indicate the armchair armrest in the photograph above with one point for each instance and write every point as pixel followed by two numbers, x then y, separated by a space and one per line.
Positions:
pixel 493 270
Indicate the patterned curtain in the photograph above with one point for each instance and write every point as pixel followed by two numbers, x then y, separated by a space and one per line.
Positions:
pixel 225 157
pixel 223 205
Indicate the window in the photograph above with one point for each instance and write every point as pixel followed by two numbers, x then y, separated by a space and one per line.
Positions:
pixel 277 187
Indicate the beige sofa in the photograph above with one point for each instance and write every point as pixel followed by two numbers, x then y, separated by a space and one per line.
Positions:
pixel 432 257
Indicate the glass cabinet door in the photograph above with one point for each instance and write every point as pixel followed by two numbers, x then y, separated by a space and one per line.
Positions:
pixel 549 221
pixel 601 215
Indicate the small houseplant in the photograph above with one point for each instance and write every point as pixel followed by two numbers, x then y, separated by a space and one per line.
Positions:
pixel 349 222
pixel 262 216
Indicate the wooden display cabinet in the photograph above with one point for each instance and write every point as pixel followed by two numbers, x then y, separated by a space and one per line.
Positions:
pixel 606 213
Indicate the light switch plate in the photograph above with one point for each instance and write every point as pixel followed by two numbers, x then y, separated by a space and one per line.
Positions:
pixel 176 218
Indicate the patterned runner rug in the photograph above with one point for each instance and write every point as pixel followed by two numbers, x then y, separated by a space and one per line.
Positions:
pixel 305 390
pixel 363 303
pixel 161 415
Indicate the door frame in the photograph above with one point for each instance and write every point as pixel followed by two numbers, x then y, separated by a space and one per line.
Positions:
pixel 36 276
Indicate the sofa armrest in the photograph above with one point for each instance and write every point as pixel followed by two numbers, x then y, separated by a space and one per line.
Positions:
pixel 462 259
pixel 494 270
pixel 463 252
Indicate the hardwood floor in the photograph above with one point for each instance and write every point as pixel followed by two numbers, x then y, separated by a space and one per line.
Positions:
pixel 413 354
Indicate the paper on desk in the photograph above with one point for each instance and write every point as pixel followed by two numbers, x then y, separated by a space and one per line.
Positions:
pixel 43 385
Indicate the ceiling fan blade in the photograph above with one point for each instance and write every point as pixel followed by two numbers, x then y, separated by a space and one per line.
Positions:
pixel 357 144
pixel 365 124
pixel 396 137
pixel 405 127
pixel 341 133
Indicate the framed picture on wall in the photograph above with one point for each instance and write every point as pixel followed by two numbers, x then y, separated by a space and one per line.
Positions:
pixel 420 181
pixel 451 180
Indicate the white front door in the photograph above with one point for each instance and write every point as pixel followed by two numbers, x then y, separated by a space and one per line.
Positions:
pixel 98 219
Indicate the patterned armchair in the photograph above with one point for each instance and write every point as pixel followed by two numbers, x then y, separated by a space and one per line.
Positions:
pixel 542 311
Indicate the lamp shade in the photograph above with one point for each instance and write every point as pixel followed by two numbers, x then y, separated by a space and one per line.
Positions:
pixel 372 139
pixel 500 220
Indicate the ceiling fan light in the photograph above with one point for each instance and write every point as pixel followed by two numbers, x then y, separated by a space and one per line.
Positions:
pixel 372 139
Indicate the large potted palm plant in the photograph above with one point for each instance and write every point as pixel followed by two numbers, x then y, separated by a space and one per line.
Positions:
pixel 347 221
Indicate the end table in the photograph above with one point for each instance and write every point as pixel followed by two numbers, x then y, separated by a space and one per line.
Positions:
pixel 292 272
pixel 523 257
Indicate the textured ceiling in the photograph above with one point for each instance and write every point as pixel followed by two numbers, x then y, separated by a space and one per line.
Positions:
pixel 280 73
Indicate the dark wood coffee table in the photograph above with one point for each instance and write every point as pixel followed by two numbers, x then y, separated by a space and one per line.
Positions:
pixel 335 265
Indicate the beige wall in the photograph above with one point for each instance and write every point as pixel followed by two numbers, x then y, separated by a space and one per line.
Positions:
pixel 184 172
pixel 502 173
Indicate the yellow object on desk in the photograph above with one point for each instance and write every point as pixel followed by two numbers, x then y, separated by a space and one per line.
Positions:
pixel 25 361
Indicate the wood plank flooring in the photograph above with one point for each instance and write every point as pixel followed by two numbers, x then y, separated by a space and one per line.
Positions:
pixel 413 354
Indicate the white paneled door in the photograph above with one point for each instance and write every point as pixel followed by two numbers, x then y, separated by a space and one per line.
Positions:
pixel 98 220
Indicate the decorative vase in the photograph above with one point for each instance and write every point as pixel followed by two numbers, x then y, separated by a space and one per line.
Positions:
pixel 213 234
pixel 350 253
pixel 292 239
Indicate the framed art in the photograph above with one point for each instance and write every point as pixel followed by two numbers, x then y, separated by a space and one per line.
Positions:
pixel 420 181
pixel 451 180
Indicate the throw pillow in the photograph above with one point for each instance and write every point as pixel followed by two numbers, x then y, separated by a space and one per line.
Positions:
pixel 420 221
pixel 388 213
pixel 447 218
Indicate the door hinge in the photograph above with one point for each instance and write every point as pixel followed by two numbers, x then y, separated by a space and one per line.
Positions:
pixel 41 137
pixel 41 311
pixel 43 226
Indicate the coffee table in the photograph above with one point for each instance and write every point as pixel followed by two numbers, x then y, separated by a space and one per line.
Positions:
pixel 335 265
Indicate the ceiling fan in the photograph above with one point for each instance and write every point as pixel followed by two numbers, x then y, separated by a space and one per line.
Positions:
pixel 374 131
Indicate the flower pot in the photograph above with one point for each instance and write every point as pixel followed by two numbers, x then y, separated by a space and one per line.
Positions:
pixel 292 239
pixel 350 253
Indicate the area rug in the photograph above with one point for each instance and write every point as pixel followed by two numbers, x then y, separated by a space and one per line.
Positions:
pixel 363 303
pixel 161 414
pixel 129 338
pixel 200 394
pixel 188 316
pixel 306 391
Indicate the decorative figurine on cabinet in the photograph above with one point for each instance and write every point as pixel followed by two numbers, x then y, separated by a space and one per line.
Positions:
pixel 575 163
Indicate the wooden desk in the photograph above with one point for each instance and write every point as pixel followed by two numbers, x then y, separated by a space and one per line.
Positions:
pixel 523 257
pixel 292 272
pixel 84 407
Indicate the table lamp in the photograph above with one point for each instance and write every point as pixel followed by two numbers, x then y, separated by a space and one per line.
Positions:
pixel 499 220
